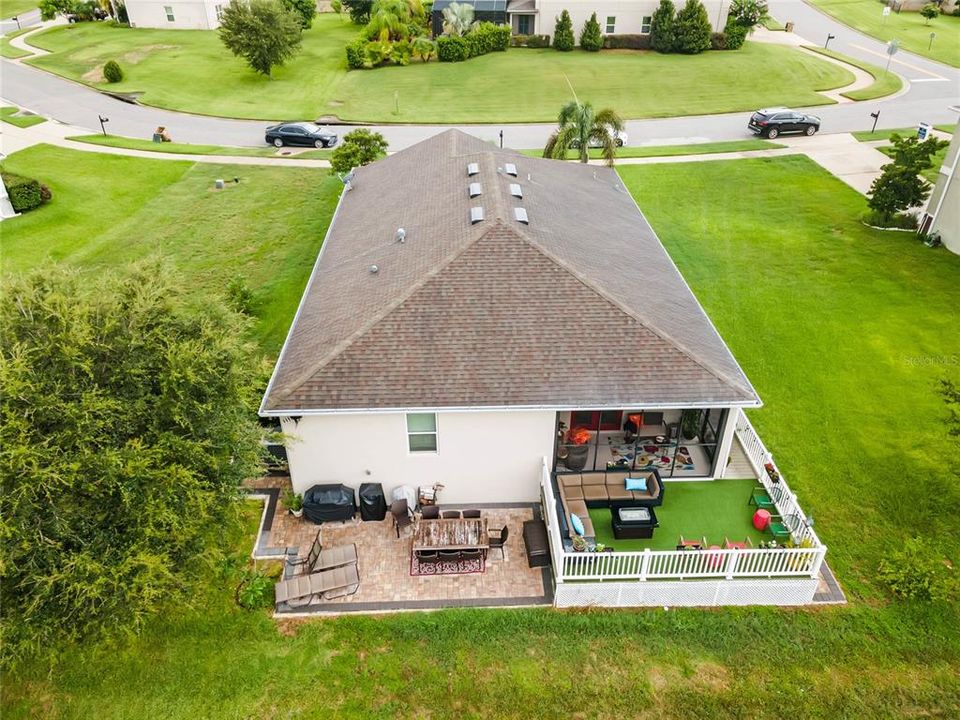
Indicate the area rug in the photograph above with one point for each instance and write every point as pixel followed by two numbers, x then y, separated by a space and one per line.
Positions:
pixel 447 567
pixel 650 456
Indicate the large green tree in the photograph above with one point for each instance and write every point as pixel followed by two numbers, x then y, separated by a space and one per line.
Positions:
pixel 265 33
pixel 563 33
pixel 580 126
pixel 900 186
pixel 591 39
pixel 360 147
pixel 359 10
pixel 661 27
pixel 692 28
pixel 127 427
pixel 305 9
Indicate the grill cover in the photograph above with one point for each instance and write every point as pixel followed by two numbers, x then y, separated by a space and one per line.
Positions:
pixel 373 503
pixel 324 503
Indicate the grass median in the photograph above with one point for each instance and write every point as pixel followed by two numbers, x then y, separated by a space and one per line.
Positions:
pixel 12 115
pixel 118 141
pixel 190 70
pixel 884 83
pixel 675 150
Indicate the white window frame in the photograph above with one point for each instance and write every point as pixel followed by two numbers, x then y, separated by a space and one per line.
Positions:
pixel 168 11
pixel 645 22
pixel 435 432
pixel 611 27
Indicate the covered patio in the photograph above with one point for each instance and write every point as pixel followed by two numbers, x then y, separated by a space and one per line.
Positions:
pixel 385 565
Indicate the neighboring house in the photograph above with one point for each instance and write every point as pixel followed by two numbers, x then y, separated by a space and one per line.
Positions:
pixel 471 305
pixel 176 14
pixel 538 17
pixel 943 210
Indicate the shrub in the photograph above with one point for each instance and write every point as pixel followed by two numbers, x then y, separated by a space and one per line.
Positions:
pixel 563 33
pixel 626 42
pixel 899 221
pixel 736 35
pixel 590 37
pixel 915 571
pixel 360 147
pixel 25 193
pixel 452 49
pixel 661 27
pixel 746 12
pixel 255 590
pixel 718 40
pixel 112 72
pixel 530 41
pixel 929 12
pixel 692 29
pixel 357 54
pixel 486 37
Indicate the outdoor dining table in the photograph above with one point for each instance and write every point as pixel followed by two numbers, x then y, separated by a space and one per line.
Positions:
pixel 454 534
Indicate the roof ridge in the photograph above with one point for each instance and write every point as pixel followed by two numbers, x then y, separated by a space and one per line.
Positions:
pixel 389 308
pixel 652 327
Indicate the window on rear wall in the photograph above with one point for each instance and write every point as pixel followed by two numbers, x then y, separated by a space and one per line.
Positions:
pixel 218 9
pixel 611 25
pixel 645 24
pixel 168 9
pixel 422 432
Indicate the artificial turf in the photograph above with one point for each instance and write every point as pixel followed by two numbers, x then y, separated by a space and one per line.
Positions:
pixel 715 509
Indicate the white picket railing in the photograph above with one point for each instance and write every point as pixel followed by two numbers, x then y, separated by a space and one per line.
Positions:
pixel 692 564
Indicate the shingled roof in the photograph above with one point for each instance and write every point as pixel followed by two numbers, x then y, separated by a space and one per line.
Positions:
pixel 579 307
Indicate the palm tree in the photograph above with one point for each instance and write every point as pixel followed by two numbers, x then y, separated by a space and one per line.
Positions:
pixel 389 20
pixel 424 48
pixel 581 126
pixel 458 18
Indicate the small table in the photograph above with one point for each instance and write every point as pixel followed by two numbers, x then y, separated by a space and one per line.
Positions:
pixel 761 519
pixel 633 523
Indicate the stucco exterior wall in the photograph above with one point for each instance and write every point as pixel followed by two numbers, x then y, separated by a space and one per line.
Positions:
pixel 629 14
pixel 945 198
pixel 188 15
pixel 481 457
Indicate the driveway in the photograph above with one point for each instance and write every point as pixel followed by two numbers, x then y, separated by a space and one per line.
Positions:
pixel 930 102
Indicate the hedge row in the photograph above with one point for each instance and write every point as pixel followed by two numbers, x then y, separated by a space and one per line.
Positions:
pixel 531 41
pixel 484 38
pixel 626 42
pixel 25 193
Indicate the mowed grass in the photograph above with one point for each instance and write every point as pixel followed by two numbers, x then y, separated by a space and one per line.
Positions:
pixel 190 149
pixel 9 8
pixel 675 150
pixel 909 28
pixel 9 51
pixel 191 70
pixel 825 316
pixel 108 211
pixel 714 510
pixel 9 114
pixel 884 83
pixel 869 136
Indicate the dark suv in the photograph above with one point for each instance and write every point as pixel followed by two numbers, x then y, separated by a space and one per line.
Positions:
pixel 776 121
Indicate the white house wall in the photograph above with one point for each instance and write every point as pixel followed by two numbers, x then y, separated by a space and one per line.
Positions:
pixel 629 15
pixel 482 457
pixel 192 15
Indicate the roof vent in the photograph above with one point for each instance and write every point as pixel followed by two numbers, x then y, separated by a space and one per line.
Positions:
pixel 401 235
pixel 516 190
pixel 511 169
pixel 475 189
pixel 374 269
pixel 473 168
pixel 521 215
pixel 476 215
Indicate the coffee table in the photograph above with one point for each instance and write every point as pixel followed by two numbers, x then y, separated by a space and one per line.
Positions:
pixel 633 523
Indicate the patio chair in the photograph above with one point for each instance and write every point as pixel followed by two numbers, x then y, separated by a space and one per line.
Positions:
pixel 733 545
pixel 450 514
pixel 326 585
pixel 430 512
pixel 500 539
pixel 695 544
pixel 321 558
pixel 448 556
pixel 765 499
pixel 401 515
pixel 427 556
pixel 469 514
pixel 471 554
pixel 782 527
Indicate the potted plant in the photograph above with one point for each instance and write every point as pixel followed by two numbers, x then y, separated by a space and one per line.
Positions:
pixel 690 425
pixel 293 502
pixel 579 543
pixel 577 450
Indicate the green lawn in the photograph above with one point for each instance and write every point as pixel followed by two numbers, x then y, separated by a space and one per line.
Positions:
pixel 8 114
pixel 909 28
pixel 715 510
pixel 267 228
pixel 867 136
pixel 191 70
pixel 675 150
pixel 188 149
pixel 9 8
pixel 9 51
pixel 771 23
pixel 826 318
pixel 884 83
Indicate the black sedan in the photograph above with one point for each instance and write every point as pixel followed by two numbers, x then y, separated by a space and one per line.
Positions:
pixel 777 121
pixel 300 133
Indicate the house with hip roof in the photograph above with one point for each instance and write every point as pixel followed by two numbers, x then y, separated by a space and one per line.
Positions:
pixel 506 326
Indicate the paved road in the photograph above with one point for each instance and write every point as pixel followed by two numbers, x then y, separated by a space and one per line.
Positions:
pixel 31 17
pixel 933 90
